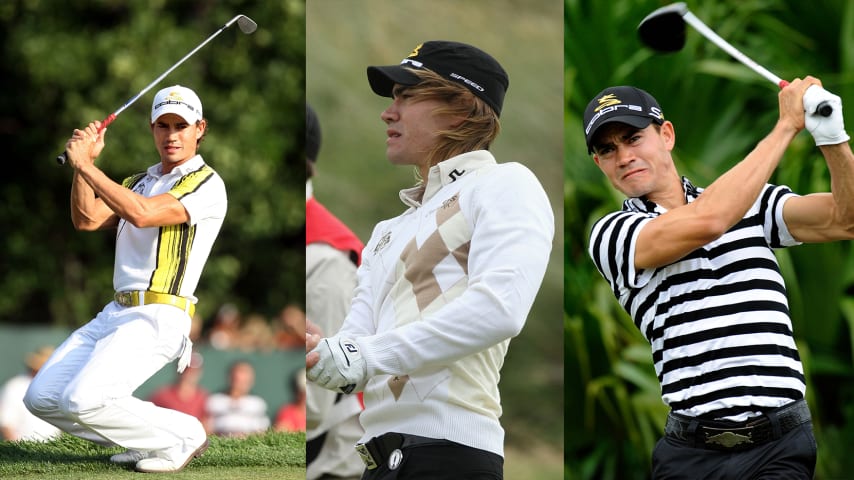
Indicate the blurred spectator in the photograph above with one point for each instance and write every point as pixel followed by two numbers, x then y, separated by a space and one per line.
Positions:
pixel 225 331
pixel 291 417
pixel 332 253
pixel 290 333
pixel 16 422
pixel 185 395
pixel 236 412
pixel 256 334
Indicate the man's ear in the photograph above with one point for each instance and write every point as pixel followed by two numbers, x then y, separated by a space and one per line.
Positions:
pixel 668 134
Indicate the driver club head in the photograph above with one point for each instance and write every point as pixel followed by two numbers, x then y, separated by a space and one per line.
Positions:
pixel 664 29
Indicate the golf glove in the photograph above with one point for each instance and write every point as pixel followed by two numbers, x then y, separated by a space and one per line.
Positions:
pixel 341 366
pixel 825 130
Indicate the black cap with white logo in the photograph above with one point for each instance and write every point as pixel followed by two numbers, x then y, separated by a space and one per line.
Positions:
pixel 629 105
pixel 455 61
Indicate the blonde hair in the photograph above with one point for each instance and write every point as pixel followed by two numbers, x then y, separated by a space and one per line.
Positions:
pixel 480 123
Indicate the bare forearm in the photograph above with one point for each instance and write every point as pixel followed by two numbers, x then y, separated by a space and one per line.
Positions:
pixel 119 199
pixel 840 162
pixel 731 195
pixel 87 211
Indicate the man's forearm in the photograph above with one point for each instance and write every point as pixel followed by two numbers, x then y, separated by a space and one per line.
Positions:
pixel 119 199
pixel 85 211
pixel 840 162
pixel 734 192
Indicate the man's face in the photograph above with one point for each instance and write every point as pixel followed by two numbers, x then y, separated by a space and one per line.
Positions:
pixel 176 140
pixel 412 128
pixel 636 161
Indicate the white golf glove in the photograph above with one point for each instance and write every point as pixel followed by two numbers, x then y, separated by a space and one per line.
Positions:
pixel 825 130
pixel 341 366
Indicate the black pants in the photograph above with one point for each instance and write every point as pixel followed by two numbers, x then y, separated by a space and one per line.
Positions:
pixel 443 460
pixel 791 457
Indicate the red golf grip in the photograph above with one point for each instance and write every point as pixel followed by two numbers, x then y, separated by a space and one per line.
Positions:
pixel 63 157
pixel 823 108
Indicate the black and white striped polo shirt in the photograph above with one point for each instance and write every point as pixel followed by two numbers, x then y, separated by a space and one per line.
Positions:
pixel 718 319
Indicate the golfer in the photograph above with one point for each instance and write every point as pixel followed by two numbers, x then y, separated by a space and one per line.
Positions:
pixel 166 220
pixel 444 286
pixel 695 269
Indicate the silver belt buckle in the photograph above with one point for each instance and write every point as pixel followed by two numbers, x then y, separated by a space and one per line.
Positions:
pixel 367 458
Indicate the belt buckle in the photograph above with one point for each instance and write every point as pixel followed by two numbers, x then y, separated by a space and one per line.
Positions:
pixel 367 458
pixel 727 438
pixel 124 299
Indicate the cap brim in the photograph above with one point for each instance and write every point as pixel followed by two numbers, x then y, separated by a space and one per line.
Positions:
pixel 383 79
pixel 633 120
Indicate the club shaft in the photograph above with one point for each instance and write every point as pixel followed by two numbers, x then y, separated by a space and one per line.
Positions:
pixel 61 158
pixel 173 67
pixel 701 27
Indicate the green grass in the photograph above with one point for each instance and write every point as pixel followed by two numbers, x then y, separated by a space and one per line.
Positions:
pixel 267 456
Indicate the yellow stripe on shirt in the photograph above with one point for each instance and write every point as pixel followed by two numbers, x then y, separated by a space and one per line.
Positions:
pixel 191 182
pixel 174 244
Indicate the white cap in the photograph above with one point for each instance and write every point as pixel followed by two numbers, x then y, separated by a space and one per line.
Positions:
pixel 178 100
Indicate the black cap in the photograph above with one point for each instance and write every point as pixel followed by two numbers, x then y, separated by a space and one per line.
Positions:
pixel 629 105
pixel 312 134
pixel 457 62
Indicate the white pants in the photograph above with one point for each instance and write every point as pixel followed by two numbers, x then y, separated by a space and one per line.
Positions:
pixel 86 386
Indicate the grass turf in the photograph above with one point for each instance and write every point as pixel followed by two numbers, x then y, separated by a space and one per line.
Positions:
pixel 270 455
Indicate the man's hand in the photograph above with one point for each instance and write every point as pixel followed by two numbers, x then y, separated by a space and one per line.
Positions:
pixel 825 130
pixel 339 365
pixel 85 145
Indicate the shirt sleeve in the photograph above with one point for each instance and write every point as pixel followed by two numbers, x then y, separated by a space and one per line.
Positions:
pixel 613 241
pixel 202 193
pixel 512 226
pixel 771 204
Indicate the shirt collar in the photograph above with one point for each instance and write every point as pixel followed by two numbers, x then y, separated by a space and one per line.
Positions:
pixel 444 173
pixel 643 205
pixel 190 165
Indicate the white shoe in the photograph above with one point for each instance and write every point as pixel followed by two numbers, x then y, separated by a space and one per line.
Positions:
pixel 156 463
pixel 129 456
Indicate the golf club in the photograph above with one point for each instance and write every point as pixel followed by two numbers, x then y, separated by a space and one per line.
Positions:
pixel 246 26
pixel 664 30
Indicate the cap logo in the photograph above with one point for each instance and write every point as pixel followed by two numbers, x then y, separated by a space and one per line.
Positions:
pixel 175 98
pixel 610 103
pixel 607 101
pixel 416 50
pixel 467 81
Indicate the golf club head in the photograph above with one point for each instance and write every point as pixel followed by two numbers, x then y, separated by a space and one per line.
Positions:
pixel 246 24
pixel 664 29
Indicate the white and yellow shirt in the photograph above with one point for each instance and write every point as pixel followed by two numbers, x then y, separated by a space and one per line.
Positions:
pixel 169 259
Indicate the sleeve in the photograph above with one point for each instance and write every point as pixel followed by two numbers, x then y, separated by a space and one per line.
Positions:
pixel 202 193
pixel 613 240
pixel 771 207
pixel 511 242
pixel 329 282
pixel 360 319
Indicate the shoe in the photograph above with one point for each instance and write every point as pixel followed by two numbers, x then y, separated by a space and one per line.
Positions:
pixel 161 464
pixel 129 456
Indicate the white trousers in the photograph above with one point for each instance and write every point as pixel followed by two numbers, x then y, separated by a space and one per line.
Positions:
pixel 86 386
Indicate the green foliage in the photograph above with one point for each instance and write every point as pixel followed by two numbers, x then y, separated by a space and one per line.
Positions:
pixel 720 110
pixel 68 63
